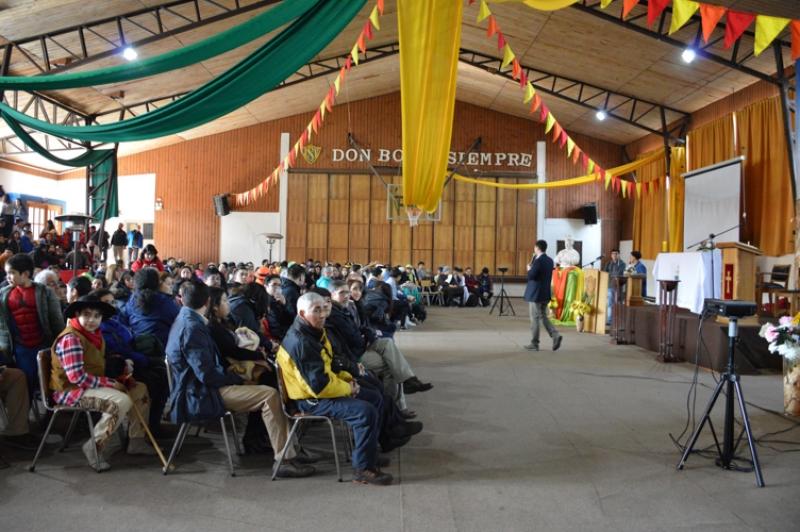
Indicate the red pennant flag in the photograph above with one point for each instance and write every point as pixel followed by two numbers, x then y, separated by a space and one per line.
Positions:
pixel 303 139
pixel 317 116
pixel 710 16
pixel 280 168
pixel 492 29
pixel 557 131
pixel 523 79
pixel 380 6
pixel 362 45
pixel 563 139
pixel 516 70
pixel 576 152
pixel 536 103
pixel 291 157
pixel 332 95
pixel 795 27
pixel 736 25
pixel 654 9
pixel 501 41
pixel 655 185
pixel 544 113
pixel 601 171
pixel 627 6
pixel 349 63
pixel 585 162
pixel 368 30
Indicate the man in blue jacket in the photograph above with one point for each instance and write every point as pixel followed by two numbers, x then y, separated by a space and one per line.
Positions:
pixel 202 390
pixel 537 294
pixel 135 243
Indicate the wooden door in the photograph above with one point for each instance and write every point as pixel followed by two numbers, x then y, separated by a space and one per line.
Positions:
pixel 39 213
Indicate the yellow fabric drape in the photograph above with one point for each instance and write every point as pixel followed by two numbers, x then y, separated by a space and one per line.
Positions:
pixel 676 196
pixel 711 144
pixel 430 36
pixel 650 158
pixel 767 191
pixel 650 228
pixel 543 5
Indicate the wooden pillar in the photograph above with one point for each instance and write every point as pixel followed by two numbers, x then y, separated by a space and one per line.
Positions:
pixel 668 296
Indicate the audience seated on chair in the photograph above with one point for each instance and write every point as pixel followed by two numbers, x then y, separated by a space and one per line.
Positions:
pixel 203 390
pixel 148 310
pixel 80 376
pixel 280 317
pixel 291 285
pixel 319 389
pixel 14 385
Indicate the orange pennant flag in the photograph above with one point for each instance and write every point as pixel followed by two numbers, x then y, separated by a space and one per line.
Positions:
pixel 576 152
pixel 627 6
pixel 328 103
pixel 380 6
pixel 362 45
pixel 630 189
pixel 536 103
pixel 516 70
pixel 795 27
pixel 557 131
pixel 710 16
pixel 492 29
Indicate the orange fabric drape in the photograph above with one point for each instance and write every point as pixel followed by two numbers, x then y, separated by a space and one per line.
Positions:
pixel 711 144
pixel 650 227
pixel 767 181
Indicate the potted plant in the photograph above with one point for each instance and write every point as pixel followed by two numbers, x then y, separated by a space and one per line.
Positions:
pixel 784 339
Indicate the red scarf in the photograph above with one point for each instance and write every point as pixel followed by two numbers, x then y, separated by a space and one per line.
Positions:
pixel 94 338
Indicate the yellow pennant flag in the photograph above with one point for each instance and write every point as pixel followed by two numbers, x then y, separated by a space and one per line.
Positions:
pixel 484 12
pixel 767 29
pixel 508 56
pixel 322 109
pixel 374 18
pixel 310 128
pixel 570 146
pixel 550 123
pixel 529 92
pixel 604 3
pixel 608 180
pixel 590 167
pixel 682 11
pixel 354 53
pixel 337 83
pixel 296 148
pixel 639 190
pixel 624 187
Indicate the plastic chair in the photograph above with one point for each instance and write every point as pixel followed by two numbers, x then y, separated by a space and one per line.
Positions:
pixel 297 418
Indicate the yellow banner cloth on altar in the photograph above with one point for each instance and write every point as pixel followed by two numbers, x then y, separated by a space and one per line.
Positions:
pixel 430 37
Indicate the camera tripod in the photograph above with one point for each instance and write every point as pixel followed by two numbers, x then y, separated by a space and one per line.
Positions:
pixel 502 298
pixel 730 380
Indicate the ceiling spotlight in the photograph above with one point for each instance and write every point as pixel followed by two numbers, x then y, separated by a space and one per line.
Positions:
pixel 129 54
pixel 688 55
pixel 601 115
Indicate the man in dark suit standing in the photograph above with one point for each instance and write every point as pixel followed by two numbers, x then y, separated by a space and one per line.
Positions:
pixel 537 294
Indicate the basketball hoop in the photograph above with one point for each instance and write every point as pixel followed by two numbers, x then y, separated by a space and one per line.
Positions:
pixel 413 215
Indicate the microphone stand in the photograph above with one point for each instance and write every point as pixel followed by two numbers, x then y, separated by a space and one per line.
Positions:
pixel 591 264
pixel 713 246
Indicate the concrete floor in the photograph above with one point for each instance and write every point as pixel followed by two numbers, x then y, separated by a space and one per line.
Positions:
pixel 576 440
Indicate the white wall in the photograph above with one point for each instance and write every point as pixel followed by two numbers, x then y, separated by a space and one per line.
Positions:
pixel 556 229
pixel 239 240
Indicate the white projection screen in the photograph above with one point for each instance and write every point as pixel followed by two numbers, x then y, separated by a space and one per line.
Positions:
pixel 711 202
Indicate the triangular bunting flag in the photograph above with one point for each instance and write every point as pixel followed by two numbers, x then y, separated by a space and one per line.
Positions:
pixel 624 189
pixel 710 16
pixel 737 23
pixel 321 112
pixel 639 190
pixel 795 27
pixel 661 180
pixel 570 146
pixel 530 92
pixel 354 54
pixel 328 103
pixel 296 148
pixel 607 181
pixel 337 83
pixel 483 12
pixel 516 70
pixel 630 189
pixel 603 173
pixel 682 11
pixel 281 168
pixel 654 9
pixel 361 43
pixel 291 158
pixel 767 29
pixel 590 167
pixel 604 3
pixel 650 188
pixel 523 79
pixel 492 29
pixel 536 103
pixel 627 6
pixel 368 30
pixel 655 185
pixel 314 122
pixel 374 18
pixel 544 113
pixel 508 56
pixel 585 162
pixel 551 121
pixel 557 131
pixel 576 153
pixel 563 139
pixel 349 63
pixel 501 41
pixel 380 6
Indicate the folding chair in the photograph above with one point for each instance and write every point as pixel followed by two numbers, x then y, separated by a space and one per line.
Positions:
pixel 45 362
pixel 176 447
pixel 297 418
pixel 426 292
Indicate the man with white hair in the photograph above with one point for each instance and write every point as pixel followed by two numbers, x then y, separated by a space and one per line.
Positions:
pixel 449 287
pixel 306 359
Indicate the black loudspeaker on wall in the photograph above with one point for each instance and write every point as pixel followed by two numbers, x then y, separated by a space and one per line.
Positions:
pixel 590 213
pixel 221 207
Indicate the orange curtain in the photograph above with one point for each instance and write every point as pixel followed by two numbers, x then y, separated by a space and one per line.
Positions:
pixel 676 196
pixel 712 143
pixel 767 193
pixel 650 227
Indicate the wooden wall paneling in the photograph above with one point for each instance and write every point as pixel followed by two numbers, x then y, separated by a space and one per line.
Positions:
pixel 318 220
pixel 464 220
pixel 506 244
pixel 339 215
pixel 611 231
pixel 296 216
pixel 526 228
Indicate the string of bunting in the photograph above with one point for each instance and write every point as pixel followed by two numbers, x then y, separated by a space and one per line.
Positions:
pixel 620 186
pixel 260 190
pixel 736 22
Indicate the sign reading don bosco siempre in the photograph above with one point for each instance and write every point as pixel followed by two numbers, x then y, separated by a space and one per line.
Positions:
pixel 396 156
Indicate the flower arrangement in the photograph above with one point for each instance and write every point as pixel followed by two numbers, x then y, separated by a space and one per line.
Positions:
pixel 784 339
pixel 553 304
pixel 579 308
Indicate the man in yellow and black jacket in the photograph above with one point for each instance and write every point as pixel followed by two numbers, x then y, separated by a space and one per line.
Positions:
pixel 305 358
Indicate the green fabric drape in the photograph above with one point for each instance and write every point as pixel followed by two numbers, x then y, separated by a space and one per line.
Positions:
pixel 200 51
pixel 98 174
pixel 255 75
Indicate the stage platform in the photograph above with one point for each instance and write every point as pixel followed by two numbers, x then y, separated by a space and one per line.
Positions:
pixel 642 330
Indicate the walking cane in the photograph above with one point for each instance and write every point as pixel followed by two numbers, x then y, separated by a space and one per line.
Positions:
pixel 149 434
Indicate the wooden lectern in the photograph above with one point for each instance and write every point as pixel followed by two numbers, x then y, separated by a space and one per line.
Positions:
pixel 739 271
pixel 595 285
pixel 635 298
